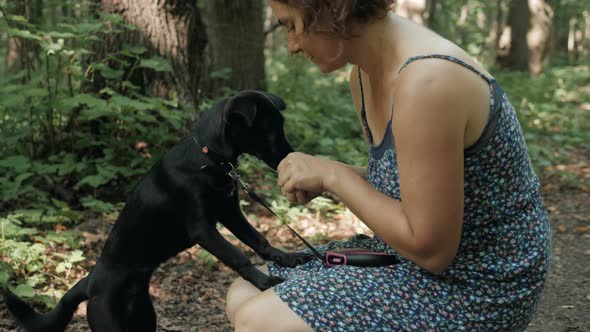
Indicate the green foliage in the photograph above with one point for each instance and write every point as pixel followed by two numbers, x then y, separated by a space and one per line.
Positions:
pixel 65 144
pixel 28 251
pixel 56 131
pixel 320 116
pixel 552 109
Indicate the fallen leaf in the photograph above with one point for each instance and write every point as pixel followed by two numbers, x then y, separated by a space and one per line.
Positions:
pixel 60 228
pixel 582 229
pixel 562 228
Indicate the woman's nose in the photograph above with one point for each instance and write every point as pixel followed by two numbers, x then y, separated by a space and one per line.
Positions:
pixel 293 45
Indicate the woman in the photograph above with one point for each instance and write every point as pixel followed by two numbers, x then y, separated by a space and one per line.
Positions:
pixel 449 188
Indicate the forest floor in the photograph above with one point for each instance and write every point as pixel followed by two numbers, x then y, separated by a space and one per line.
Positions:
pixel 189 290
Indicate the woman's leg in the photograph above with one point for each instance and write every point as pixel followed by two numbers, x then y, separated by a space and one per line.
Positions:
pixel 238 293
pixel 249 309
pixel 266 312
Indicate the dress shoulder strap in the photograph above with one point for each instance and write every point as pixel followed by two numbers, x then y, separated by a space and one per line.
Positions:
pixel 449 58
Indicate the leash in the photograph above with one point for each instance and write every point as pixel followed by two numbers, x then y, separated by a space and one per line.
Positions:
pixel 233 173
pixel 348 256
pixel 246 188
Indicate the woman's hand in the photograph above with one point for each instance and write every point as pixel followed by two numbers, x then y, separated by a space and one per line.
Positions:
pixel 303 177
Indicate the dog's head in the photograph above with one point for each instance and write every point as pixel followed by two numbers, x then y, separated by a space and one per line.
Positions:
pixel 253 124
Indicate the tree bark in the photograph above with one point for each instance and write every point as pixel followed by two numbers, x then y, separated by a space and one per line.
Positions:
pixel 539 34
pixel 514 52
pixel 15 47
pixel 171 29
pixel 235 53
pixel 530 23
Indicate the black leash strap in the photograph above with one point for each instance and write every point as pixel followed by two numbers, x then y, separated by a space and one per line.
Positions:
pixel 246 188
pixel 257 198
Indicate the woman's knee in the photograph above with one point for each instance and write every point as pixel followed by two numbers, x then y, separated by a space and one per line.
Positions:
pixel 250 316
pixel 267 312
pixel 239 292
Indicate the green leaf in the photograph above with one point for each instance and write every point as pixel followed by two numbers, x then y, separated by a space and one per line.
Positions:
pixel 112 18
pixel 23 290
pixel 4 277
pixel 17 163
pixel 221 73
pixel 88 28
pixel 76 256
pixel 122 101
pixel 156 63
pixel 94 181
pixel 97 205
pixel 108 72
pixel 57 34
pixel 17 18
pixel 24 34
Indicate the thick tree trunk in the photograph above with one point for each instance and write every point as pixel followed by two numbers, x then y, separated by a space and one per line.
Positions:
pixel 514 52
pixel 17 48
pixel 586 39
pixel 171 29
pixel 462 23
pixel 235 52
pixel 539 34
pixel 494 34
pixel 530 23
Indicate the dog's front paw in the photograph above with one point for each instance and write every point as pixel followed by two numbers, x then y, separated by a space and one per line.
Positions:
pixel 292 259
pixel 268 283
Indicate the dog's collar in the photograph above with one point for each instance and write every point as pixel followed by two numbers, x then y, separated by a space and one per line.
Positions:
pixel 221 165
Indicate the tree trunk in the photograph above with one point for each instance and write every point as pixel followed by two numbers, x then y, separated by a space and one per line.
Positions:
pixel 235 53
pixel 15 47
pixel 539 34
pixel 171 29
pixel 586 40
pixel 415 10
pixel 462 23
pixel 514 52
pixel 530 23
pixel 495 17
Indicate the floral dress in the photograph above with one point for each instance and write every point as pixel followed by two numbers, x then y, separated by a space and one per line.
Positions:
pixel 496 278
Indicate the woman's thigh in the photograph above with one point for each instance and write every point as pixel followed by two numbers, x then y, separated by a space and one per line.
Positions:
pixel 267 312
pixel 239 292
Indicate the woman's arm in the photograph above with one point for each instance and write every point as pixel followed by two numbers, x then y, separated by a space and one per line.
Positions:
pixel 360 171
pixel 430 119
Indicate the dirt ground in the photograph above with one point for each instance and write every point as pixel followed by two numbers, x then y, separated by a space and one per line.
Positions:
pixel 189 292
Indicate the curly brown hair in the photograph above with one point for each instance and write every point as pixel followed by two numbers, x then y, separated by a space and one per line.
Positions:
pixel 341 15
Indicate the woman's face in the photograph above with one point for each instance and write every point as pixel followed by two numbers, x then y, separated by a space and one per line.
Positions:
pixel 323 49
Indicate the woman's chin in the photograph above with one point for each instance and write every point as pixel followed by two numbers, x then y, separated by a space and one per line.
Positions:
pixel 329 67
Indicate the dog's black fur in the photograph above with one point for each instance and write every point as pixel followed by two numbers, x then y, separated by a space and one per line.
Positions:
pixel 176 205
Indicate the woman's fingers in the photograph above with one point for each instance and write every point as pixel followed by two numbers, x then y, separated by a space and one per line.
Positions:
pixel 301 196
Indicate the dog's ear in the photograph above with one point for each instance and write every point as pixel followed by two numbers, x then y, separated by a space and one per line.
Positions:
pixel 265 98
pixel 245 103
pixel 240 108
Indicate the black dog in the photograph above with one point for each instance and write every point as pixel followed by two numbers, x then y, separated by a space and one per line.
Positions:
pixel 176 205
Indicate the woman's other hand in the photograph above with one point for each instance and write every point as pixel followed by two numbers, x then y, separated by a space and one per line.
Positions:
pixel 303 177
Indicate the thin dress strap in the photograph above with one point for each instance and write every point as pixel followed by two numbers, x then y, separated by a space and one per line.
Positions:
pixel 446 57
pixel 363 112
